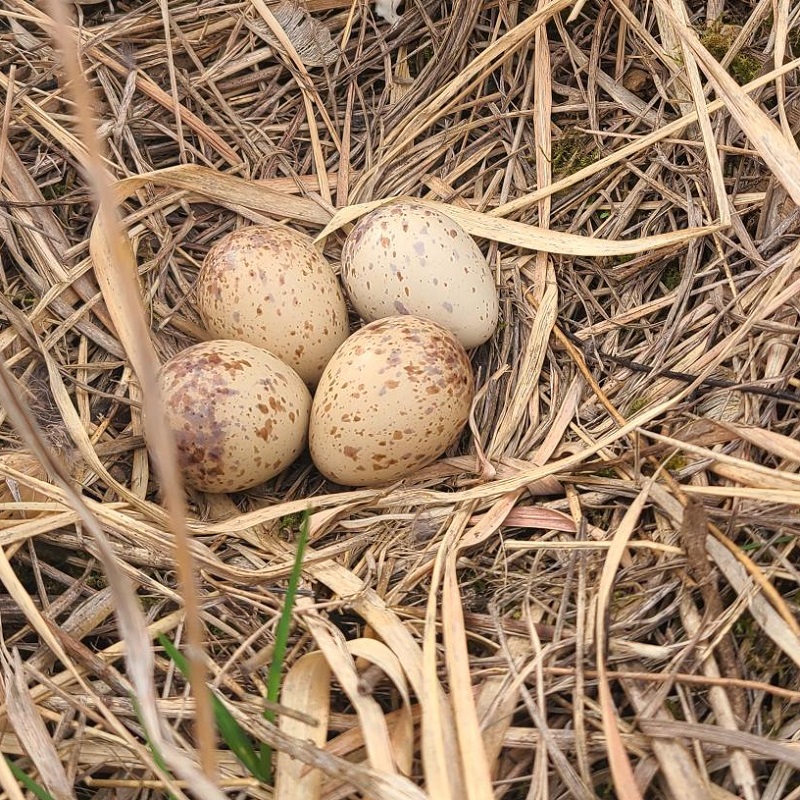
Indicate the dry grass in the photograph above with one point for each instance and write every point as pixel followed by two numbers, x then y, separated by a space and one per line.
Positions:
pixel 596 593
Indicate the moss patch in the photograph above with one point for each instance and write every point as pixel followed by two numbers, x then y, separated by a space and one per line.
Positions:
pixel 718 39
pixel 572 152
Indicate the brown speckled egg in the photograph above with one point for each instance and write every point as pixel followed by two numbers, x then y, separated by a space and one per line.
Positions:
pixel 408 258
pixel 268 285
pixel 239 414
pixel 392 399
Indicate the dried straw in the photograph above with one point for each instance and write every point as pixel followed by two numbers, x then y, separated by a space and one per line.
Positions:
pixel 595 591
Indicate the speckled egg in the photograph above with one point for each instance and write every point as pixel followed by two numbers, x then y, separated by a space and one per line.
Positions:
pixel 392 399
pixel 268 285
pixel 239 414
pixel 408 258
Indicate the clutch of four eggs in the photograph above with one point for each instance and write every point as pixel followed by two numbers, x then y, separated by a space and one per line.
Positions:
pixel 388 399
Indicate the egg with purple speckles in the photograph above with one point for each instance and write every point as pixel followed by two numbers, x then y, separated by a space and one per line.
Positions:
pixel 392 399
pixel 238 413
pixel 409 258
pixel 268 285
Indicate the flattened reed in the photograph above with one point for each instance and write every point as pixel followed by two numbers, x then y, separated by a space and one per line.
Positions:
pixel 596 590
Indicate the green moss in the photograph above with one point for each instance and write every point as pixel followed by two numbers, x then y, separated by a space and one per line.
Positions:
pixel 637 405
pixel 716 42
pixel 744 68
pixel 671 276
pixel 609 262
pixel 572 152
pixel 291 523
pixel 96 581
pixel 676 463
pixel 717 39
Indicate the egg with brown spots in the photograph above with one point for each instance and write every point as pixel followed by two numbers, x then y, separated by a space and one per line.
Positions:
pixel 392 399
pixel 269 285
pixel 239 414
pixel 409 258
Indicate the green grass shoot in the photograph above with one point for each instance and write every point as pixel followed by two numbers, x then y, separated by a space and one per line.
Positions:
pixel 28 782
pixel 282 636
pixel 258 763
pixel 231 732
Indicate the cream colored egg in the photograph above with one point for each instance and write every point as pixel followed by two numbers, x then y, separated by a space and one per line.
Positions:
pixel 239 414
pixel 408 258
pixel 268 285
pixel 392 399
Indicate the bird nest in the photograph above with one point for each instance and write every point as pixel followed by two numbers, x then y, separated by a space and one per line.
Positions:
pixel 595 591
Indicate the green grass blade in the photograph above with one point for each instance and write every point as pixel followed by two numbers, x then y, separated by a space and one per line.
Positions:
pixel 232 733
pixel 282 636
pixel 28 782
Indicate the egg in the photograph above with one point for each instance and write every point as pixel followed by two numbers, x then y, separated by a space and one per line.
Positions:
pixel 392 399
pixel 409 258
pixel 268 285
pixel 239 414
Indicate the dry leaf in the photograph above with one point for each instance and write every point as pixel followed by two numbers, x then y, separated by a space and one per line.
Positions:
pixel 31 730
pixel 306 687
pixel 527 236
pixel 621 770
pixel 781 155
pixel 763 613
pixel 311 38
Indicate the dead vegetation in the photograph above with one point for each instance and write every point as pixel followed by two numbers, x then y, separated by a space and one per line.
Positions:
pixel 596 593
